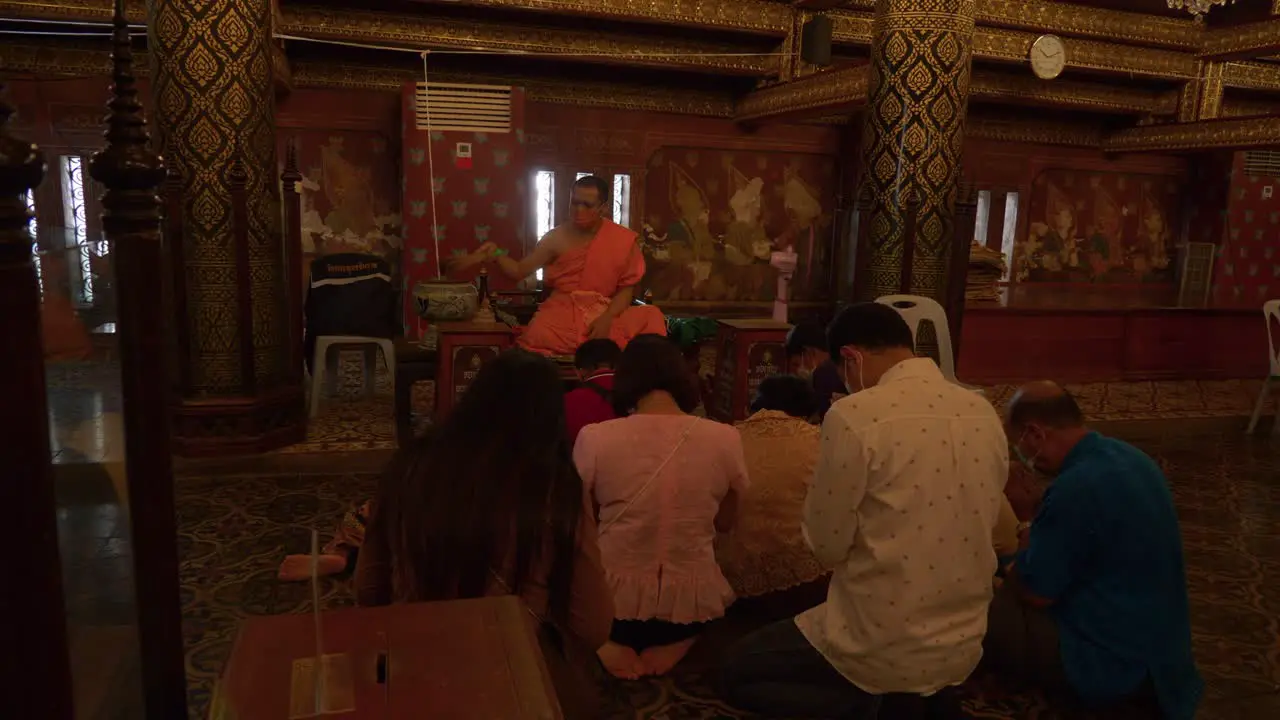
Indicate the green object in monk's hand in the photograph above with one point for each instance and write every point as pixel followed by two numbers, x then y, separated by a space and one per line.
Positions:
pixel 497 252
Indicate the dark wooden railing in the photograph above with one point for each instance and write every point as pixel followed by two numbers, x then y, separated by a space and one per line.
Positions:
pixel 35 673
pixel 132 174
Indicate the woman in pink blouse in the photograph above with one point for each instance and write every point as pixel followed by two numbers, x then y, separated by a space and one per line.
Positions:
pixel 664 482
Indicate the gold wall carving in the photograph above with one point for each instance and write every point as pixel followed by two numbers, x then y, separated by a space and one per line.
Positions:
pixel 214 102
pixel 754 16
pixel 613 48
pixel 912 140
pixel 1241 134
pixel 815 94
pixel 1242 41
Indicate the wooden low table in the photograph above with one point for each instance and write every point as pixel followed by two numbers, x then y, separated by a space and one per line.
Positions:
pixel 747 352
pixel 414 364
pixel 464 348
pixel 460 659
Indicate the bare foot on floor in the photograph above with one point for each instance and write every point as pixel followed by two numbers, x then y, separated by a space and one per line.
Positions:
pixel 620 660
pixel 297 568
pixel 659 660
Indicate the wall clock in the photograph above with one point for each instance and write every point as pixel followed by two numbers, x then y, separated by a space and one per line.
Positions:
pixel 1048 57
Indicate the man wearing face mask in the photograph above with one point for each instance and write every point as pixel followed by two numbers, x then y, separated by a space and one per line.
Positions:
pixel 907 492
pixel 1095 608
pixel 592 267
pixel 810 358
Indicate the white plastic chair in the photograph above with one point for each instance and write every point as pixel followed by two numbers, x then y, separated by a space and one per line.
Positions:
pixel 323 364
pixel 1270 313
pixel 916 309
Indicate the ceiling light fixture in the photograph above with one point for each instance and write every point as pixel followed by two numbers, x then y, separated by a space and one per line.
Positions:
pixel 1198 7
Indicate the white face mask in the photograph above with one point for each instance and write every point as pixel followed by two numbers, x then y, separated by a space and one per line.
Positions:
pixel 846 375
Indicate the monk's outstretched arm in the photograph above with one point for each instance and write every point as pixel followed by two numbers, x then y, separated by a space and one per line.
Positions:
pixel 542 255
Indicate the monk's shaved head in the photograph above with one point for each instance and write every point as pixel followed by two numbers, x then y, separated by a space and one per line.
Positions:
pixel 1046 403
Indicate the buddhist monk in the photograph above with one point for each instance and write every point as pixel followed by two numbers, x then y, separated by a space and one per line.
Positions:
pixel 592 265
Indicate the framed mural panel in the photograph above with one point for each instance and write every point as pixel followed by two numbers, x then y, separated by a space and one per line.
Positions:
pixel 712 218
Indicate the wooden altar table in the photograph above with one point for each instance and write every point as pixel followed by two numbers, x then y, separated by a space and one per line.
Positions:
pixel 459 659
pixel 747 352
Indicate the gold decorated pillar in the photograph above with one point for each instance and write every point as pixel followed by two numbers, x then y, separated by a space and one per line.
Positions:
pixel 911 144
pixel 213 86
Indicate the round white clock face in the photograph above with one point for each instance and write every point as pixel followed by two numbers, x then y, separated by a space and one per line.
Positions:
pixel 1048 57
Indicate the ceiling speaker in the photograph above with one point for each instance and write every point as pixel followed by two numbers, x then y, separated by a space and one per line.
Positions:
pixel 815 41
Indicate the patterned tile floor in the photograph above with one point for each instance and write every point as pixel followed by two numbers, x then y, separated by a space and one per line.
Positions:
pixel 235 528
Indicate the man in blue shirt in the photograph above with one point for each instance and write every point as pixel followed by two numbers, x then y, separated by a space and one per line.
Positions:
pixel 1095 606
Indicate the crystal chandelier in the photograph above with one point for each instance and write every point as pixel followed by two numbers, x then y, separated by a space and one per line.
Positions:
pixel 1197 7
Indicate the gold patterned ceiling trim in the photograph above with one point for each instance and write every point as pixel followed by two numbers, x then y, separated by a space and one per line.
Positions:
pixel 416 32
pixel 1239 134
pixel 72 10
pixel 1044 132
pixel 48 58
pixel 1243 41
pixel 1080 21
pixel 817 93
pixel 846 89
pixel 854 25
pixel 1245 107
pixel 753 16
pixel 617 96
pixel 1014 46
pixel 1069 94
pixel 1251 75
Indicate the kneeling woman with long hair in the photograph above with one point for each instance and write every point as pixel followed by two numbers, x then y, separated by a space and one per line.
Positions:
pixel 665 481
pixel 491 505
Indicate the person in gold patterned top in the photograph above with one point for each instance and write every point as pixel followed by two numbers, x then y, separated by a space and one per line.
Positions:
pixel 766 553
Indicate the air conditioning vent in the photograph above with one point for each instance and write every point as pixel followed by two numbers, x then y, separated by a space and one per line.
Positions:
pixel 1262 162
pixel 469 108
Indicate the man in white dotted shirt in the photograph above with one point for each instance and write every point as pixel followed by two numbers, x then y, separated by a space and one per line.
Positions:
pixel 908 489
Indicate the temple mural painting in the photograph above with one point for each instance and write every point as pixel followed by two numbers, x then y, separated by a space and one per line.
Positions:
pixel 350 202
pixel 713 217
pixel 1104 228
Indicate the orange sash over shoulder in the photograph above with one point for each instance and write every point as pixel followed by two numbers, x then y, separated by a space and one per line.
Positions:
pixel 584 281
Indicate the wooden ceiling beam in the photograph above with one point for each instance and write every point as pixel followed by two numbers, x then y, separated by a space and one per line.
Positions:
pixel 1226 134
pixel 411 32
pixel 1010 47
pixel 813 95
pixel 760 17
pixel 1067 19
pixel 845 89
pixel 1250 40
pixel 89 11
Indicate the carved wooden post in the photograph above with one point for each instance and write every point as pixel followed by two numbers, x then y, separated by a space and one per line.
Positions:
pixel 292 203
pixel 35 676
pixel 237 179
pixel 131 173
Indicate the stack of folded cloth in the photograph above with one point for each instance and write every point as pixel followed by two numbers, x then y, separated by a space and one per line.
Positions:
pixel 986 267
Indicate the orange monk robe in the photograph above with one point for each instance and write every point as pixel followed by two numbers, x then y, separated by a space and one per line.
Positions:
pixel 583 282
